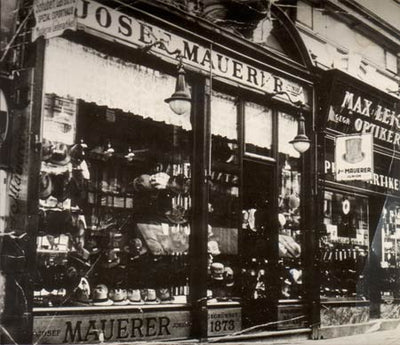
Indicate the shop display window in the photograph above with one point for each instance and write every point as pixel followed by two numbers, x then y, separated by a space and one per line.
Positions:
pixel 223 201
pixel 290 244
pixel 115 206
pixel 388 249
pixel 344 246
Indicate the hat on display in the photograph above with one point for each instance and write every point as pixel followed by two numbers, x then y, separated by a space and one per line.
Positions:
pixel 77 153
pixel 100 295
pixel 61 190
pixel 142 183
pixel 228 276
pixel 119 296
pixel 134 296
pixel 281 219
pixel 164 295
pixel 179 184
pixel 47 150
pixel 294 201
pixel 212 248
pixel 45 185
pixel 82 291
pixel 136 246
pixel 112 259
pixel 223 151
pixel 159 180
pixel 217 271
pixel 151 296
pixel 60 155
pixel 177 215
pixel 59 276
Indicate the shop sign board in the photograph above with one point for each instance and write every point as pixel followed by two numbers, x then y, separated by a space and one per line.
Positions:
pixel 224 321
pixel 53 17
pixel 351 109
pixel 111 327
pixel 130 31
pixel 354 157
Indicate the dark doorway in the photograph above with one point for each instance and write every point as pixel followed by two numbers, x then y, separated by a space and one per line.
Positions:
pixel 259 244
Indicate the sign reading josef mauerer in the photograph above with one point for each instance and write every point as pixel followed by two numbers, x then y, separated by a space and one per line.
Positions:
pixel 354 157
pixel 98 327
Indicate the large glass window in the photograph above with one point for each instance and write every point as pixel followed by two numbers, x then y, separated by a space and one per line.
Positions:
pixel 114 203
pixel 223 200
pixel 386 245
pixel 344 246
pixel 290 264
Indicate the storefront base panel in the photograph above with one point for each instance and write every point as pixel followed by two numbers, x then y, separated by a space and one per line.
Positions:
pixel 390 311
pixel 273 336
pixel 291 316
pixel 99 324
pixel 361 328
pixel 334 315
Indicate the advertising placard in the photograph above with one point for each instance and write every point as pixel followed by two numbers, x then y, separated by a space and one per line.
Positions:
pixel 53 17
pixel 354 157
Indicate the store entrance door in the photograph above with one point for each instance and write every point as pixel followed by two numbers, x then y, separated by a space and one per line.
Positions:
pixel 259 244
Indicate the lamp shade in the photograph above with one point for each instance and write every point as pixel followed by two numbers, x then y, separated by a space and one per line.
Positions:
pixel 180 101
pixel 301 143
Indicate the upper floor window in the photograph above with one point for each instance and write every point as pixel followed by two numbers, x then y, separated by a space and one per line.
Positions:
pixel 391 61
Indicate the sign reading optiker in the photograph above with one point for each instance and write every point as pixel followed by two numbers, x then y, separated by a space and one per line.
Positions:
pixel 354 157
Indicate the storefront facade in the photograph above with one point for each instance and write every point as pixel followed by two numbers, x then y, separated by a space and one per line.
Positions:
pixel 153 225
pixel 358 237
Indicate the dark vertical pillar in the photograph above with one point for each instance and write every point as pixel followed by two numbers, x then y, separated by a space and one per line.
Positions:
pixel 310 216
pixel 19 250
pixel 199 234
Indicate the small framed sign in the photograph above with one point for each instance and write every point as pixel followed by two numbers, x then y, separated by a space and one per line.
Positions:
pixel 354 157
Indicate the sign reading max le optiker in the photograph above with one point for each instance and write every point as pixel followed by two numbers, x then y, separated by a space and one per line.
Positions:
pixel 354 111
pixel 130 31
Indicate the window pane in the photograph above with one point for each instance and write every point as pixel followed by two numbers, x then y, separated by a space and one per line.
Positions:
pixel 258 129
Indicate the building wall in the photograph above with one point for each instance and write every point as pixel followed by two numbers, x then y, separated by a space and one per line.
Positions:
pixel 336 42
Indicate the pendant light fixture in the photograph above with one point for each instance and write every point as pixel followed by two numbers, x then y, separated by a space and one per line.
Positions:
pixel 180 101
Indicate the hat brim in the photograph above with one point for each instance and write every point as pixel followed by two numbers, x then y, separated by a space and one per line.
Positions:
pixel 353 160
pixel 108 302
pixel 124 302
